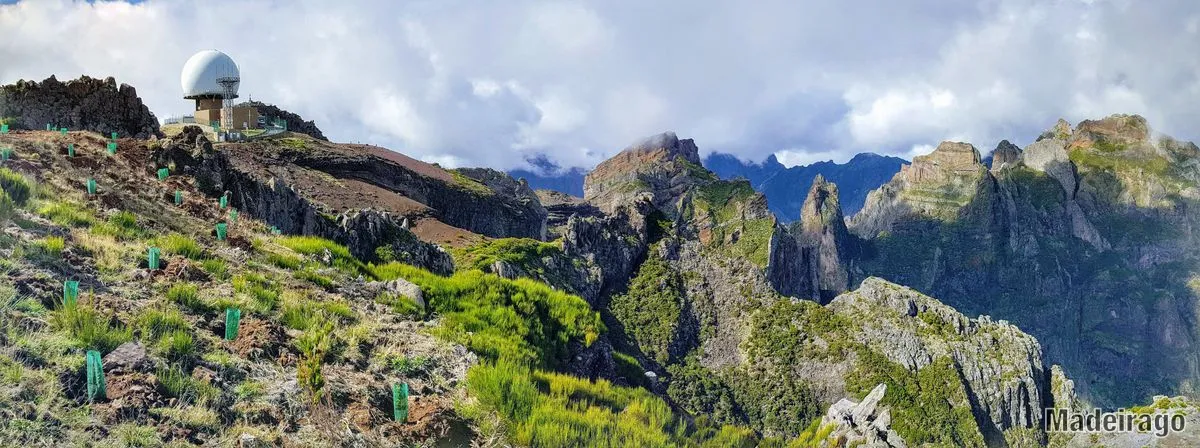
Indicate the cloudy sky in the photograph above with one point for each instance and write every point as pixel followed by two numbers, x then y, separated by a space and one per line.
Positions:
pixel 494 83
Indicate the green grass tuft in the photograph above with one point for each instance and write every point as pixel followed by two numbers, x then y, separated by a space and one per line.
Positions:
pixel 182 245
pixel 92 330
pixel 187 295
pixel 19 188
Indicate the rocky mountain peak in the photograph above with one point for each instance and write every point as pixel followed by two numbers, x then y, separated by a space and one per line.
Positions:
pixel 1005 153
pixel 823 229
pixel 666 145
pixel 948 160
pixel 659 169
pixel 1116 129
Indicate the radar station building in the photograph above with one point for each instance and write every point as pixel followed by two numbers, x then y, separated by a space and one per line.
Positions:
pixel 211 78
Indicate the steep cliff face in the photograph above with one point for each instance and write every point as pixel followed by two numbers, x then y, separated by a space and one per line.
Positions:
pixel 83 104
pixel 1084 241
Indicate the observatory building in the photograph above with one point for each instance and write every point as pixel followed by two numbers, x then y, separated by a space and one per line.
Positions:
pixel 211 78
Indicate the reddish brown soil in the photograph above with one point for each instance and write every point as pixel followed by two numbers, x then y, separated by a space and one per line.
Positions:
pixel 256 339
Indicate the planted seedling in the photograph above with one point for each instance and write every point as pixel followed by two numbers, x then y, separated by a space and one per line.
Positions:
pixel 233 317
pixel 70 293
pixel 152 258
pixel 400 402
pixel 95 376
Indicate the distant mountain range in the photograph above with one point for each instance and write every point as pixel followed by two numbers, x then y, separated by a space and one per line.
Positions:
pixel 785 188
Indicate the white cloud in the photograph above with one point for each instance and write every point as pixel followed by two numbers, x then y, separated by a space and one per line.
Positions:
pixel 494 83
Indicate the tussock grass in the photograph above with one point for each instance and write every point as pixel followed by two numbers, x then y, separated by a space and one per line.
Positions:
pixel 187 295
pixel 325 250
pixel 182 245
pixel 93 331
pixel 67 214
pixel 18 188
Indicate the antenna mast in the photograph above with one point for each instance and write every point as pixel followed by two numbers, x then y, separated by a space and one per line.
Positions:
pixel 228 91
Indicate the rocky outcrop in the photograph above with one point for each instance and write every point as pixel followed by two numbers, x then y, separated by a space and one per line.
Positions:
pixel 610 247
pixel 659 169
pixel 295 123
pixel 1000 366
pixel 823 229
pixel 83 104
pixel 865 423
pixel 560 207
pixel 1005 154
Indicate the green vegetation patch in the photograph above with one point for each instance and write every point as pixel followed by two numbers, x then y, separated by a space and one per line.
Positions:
pixel 649 310
pixel 929 406
pixel 722 203
pixel 525 253
pixel 547 409
pixel 326 251
pixel 470 185
pixel 520 320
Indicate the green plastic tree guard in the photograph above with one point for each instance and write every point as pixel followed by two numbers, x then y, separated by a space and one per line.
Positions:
pixel 152 258
pixel 400 402
pixel 114 135
pixel 221 230
pixel 91 186
pixel 5 154
pixel 48 126
pixel 275 230
pixel 163 173
pixel 233 318
pixel 70 293
pixel 224 202
pixel 112 148
pixel 233 215
pixel 70 150
pixel 63 131
pixel 178 197
pixel 95 376
pixel 3 128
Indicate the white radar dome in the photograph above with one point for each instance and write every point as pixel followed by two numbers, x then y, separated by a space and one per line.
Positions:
pixel 202 72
